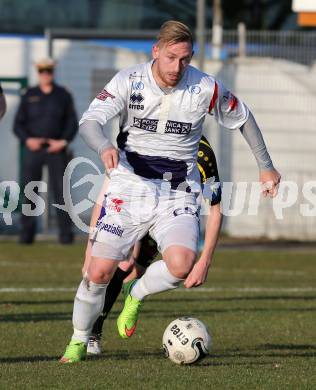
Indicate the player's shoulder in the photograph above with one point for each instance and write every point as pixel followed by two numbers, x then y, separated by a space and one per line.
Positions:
pixel 196 77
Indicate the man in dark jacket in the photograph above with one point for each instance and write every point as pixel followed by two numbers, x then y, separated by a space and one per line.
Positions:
pixel 45 123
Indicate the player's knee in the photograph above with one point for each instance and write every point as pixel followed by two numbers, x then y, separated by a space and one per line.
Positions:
pixel 180 262
pixel 99 274
pixel 101 270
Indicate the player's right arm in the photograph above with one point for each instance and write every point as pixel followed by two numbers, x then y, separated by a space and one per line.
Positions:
pixel 110 102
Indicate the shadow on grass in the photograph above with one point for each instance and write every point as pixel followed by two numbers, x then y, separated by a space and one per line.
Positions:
pixel 29 359
pixel 116 355
pixel 236 298
pixel 297 347
pixel 217 359
pixel 272 350
pixel 63 316
pixel 35 317
pixel 45 302
pixel 177 311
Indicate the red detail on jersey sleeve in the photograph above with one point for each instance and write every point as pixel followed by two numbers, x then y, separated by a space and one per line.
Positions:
pixel 233 103
pixel 214 98
pixel 104 94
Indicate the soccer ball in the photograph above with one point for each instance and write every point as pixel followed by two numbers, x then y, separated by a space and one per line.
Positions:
pixel 186 340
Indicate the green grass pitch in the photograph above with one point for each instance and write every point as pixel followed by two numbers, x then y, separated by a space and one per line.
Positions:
pixel 260 307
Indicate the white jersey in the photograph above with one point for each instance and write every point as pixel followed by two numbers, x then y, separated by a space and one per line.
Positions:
pixel 159 131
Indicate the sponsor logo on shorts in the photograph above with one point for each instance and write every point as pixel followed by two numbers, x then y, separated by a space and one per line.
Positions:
pixel 185 210
pixel 104 94
pixel 175 127
pixel 115 205
pixel 146 124
pixel 111 228
pixel 135 101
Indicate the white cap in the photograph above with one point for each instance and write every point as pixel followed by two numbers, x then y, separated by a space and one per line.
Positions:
pixel 45 63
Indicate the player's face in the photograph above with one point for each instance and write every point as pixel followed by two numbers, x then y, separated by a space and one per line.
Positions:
pixel 170 62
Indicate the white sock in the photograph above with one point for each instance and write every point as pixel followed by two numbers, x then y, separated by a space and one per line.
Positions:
pixel 88 305
pixel 157 278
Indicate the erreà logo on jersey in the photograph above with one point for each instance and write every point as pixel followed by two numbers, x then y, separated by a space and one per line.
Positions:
pixel 135 101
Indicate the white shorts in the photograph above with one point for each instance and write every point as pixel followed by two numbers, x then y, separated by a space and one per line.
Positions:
pixel 133 206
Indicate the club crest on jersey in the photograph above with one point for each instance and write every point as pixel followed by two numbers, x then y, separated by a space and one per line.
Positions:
pixel 135 101
pixel 194 89
pixel 104 94
pixel 137 85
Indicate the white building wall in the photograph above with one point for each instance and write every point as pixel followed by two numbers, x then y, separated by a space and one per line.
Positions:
pixel 282 97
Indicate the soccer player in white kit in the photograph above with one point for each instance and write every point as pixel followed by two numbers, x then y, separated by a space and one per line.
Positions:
pixel 155 184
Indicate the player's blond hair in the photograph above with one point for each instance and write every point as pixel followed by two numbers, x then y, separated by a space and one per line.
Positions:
pixel 174 32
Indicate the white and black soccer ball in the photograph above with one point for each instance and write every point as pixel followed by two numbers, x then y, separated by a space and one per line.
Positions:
pixel 186 340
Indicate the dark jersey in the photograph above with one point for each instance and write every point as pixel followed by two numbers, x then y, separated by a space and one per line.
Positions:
pixel 209 173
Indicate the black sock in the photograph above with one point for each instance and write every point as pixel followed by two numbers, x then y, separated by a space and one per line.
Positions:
pixel 111 295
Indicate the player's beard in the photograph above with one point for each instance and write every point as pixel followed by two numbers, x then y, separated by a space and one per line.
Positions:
pixel 170 79
pixel 173 79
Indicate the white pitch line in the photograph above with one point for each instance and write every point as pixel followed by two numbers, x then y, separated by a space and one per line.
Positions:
pixel 278 272
pixel 192 290
pixel 36 289
pixel 20 264
pixel 281 272
pixel 249 289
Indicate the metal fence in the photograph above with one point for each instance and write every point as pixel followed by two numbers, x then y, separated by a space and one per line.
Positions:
pixel 297 46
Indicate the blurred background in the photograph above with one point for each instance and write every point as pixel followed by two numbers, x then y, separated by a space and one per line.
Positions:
pixel 263 50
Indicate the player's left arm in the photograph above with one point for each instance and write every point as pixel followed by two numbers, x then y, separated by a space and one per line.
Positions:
pixel 232 113
pixel 199 272
pixel 269 177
